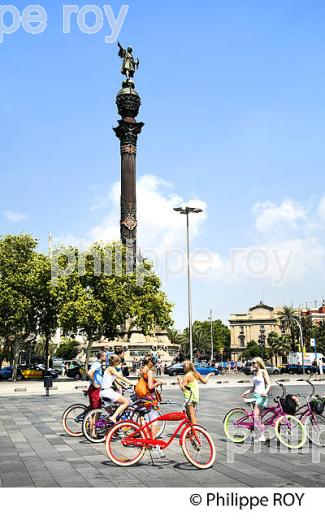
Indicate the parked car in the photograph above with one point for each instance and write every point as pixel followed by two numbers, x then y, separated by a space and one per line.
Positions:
pixel 271 369
pixel 35 372
pixel 247 369
pixel 26 372
pixel 297 369
pixel 5 373
pixel 202 368
pixel 175 369
pixel 57 364
pixel 75 370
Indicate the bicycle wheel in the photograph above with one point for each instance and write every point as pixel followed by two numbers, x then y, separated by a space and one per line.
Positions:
pixel 95 425
pixel 198 447
pixel 238 424
pixel 118 451
pixel 315 429
pixel 72 419
pixel 161 425
pixel 290 431
pixel 269 432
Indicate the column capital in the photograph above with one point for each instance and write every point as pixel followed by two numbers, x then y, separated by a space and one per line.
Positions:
pixel 128 132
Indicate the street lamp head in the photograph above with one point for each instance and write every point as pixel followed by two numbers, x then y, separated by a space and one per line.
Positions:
pixel 187 210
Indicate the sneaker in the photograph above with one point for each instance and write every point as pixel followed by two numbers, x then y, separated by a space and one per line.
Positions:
pixel 260 438
pixel 156 451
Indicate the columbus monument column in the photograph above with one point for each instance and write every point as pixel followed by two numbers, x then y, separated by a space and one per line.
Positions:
pixel 128 103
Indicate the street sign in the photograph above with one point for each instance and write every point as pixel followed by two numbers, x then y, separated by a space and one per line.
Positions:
pixel 312 342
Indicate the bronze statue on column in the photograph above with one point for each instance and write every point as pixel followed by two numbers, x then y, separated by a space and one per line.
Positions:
pixel 128 103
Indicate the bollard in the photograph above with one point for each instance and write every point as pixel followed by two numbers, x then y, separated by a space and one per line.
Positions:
pixel 48 383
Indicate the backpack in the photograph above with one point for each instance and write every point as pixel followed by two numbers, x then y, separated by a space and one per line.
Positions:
pixel 141 388
pixel 317 406
pixel 289 405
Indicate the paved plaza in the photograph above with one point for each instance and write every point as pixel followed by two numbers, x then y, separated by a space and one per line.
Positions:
pixel 36 452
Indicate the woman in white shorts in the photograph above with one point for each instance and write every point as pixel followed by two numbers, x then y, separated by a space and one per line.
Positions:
pixel 152 383
pixel 107 392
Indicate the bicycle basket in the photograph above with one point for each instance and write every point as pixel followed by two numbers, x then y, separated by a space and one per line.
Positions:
pixel 318 406
pixel 289 404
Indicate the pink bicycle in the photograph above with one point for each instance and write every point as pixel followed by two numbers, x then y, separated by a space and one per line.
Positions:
pixel 239 423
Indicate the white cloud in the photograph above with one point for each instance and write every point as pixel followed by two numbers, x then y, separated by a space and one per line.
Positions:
pixel 286 246
pixel 285 255
pixel 321 209
pixel 14 216
pixel 279 218
pixel 162 230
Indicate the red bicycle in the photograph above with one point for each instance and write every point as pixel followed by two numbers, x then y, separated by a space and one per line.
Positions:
pixel 127 442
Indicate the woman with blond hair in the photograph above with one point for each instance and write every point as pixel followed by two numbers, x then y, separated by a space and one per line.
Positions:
pixel 110 376
pixel 190 388
pixel 261 386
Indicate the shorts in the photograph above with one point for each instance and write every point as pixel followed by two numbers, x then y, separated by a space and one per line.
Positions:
pixel 110 394
pixel 260 400
pixel 152 415
pixel 94 397
pixel 191 403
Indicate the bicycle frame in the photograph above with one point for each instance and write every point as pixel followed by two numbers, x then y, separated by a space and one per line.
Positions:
pixel 135 407
pixel 306 410
pixel 277 411
pixel 149 441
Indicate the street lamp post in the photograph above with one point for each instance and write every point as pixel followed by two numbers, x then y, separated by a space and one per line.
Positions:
pixel 186 211
pixel 211 334
pixel 261 340
pixel 301 343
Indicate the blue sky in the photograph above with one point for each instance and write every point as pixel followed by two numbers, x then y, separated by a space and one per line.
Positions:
pixel 233 105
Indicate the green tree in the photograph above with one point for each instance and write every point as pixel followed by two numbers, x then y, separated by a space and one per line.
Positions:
pixel 202 338
pixel 320 337
pixel 287 318
pixel 97 304
pixel 307 329
pixel 68 349
pixel 45 302
pixel 18 317
pixel 252 350
pixel 175 336
pixel 278 345
pixel 220 334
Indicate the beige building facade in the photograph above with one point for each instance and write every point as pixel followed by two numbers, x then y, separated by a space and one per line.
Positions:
pixel 254 325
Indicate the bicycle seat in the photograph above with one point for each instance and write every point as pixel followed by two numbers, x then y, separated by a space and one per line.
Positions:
pixel 106 402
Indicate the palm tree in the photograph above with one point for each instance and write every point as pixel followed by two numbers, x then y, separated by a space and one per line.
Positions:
pixel 278 345
pixel 287 318
pixel 320 337
pixel 175 336
pixel 200 339
pixel 307 328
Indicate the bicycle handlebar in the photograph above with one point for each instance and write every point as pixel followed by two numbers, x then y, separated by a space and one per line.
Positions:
pixel 284 390
pixel 170 402
pixel 313 389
